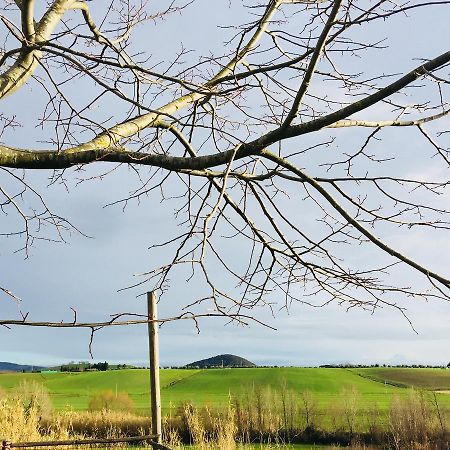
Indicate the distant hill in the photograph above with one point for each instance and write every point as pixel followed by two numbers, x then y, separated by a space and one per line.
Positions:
pixel 222 361
pixel 11 367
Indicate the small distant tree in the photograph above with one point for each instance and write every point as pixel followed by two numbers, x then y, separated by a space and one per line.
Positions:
pixel 309 409
pixel 101 366
pixel 350 408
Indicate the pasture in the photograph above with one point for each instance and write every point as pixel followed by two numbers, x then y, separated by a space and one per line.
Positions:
pixel 422 378
pixel 214 387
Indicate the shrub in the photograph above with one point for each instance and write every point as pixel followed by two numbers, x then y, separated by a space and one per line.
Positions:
pixel 110 401
pixel 411 423
pixel 105 424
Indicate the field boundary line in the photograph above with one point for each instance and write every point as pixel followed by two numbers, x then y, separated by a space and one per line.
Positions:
pixel 384 382
pixel 180 380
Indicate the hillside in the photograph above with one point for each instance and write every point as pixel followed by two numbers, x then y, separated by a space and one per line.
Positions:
pixel 222 361
pixel 11 367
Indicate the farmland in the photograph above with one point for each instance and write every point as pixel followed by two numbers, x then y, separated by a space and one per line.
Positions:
pixel 298 405
pixel 431 379
pixel 213 387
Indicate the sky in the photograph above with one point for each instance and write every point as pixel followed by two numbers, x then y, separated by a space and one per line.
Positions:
pixel 88 273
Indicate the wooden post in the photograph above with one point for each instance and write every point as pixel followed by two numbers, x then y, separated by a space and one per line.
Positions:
pixel 153 342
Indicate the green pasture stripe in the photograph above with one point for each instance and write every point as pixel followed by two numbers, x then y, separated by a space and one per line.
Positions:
pixel 214 386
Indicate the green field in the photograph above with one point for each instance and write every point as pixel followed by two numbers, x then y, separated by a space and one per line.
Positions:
pixel 431 379
pixel 213 387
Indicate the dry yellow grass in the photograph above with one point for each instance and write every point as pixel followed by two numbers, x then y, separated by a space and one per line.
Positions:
pixel 103 424
pixel 20 422
pixel 222 438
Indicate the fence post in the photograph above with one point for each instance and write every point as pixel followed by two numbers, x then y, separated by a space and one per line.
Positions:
pixel 153 341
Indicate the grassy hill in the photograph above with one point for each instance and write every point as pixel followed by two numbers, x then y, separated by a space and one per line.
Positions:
pixel 214 386
pixel 222 361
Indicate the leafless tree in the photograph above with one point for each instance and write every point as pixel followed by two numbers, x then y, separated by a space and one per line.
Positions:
pixel 282 144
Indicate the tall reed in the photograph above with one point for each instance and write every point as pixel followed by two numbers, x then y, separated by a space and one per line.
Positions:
pixel 21 421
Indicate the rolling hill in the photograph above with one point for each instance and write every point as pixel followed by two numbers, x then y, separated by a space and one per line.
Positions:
pixel 11 367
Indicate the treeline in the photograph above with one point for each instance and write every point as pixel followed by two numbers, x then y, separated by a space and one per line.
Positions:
pixel 322 366
pixel 85 366
pixel 394 366
pixel 82 366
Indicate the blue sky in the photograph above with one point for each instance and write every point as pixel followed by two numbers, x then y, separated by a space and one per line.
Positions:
pixel 89 273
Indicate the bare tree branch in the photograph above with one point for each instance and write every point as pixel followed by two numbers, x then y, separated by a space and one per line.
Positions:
pixel 277 143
